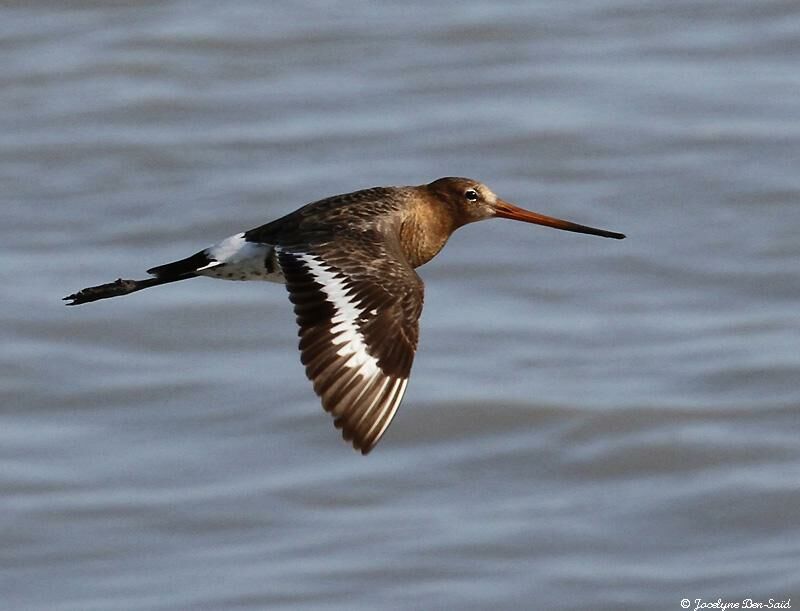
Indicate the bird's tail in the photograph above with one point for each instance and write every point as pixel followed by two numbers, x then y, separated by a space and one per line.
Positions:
pixel 164 274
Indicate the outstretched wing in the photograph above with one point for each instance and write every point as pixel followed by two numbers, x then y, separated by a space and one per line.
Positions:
pixel 357 305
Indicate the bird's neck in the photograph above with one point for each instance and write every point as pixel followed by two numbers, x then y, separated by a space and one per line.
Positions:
pixel 424 232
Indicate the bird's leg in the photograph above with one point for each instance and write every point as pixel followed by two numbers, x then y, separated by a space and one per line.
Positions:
pixel 117 288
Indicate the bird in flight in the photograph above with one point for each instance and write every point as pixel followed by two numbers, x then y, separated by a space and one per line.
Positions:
pixel 348 264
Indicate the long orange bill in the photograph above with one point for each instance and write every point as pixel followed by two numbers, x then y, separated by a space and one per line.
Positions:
pixel 510 211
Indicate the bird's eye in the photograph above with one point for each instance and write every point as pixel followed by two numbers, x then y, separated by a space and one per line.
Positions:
pixel 471 195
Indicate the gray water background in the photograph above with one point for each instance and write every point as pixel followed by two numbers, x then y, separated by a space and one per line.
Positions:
pixel 590 424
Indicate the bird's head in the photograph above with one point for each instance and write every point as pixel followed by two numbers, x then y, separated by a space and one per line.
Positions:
pixel 470 201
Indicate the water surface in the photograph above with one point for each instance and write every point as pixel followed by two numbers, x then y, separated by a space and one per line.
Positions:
pixel 591 424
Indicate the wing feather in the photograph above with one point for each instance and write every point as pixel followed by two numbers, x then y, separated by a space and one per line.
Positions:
pixel 357 305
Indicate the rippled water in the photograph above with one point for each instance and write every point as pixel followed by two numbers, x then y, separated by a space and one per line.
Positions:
pixel 591 424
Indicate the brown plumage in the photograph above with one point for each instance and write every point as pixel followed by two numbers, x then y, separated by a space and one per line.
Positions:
pixel 348 263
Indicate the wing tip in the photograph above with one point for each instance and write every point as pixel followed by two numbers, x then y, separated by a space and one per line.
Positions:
pixel 377 422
